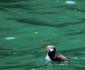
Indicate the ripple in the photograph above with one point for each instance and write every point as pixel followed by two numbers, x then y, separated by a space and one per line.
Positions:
pixel 35 32
pixel 10 38
pixel 33 69
pixel 75 58
pixel 37 22
pixel 70 2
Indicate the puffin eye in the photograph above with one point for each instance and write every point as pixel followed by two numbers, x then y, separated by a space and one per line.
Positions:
pixel 50 47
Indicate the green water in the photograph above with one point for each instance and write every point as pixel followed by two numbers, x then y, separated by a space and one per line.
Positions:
pixel 27 25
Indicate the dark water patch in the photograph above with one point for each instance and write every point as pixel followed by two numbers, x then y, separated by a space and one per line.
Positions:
pixel 75 51
pixel 32 53
pixel 60 6
pixel 51 12
pixel 17 66
pixel 4 30
pixel 28 65
pixel 13 31
pixel 12 1
pixel 3 9
pixel 71 23
pixel 76 9
pixel 2 34
pixel 70 7
pixel 45 23
pixel 82 62
pixel 75 32
pixel 36 67
pixel 58 9
pixel 12 63
pixel 20 5
pixel 6 52
pixel 32 22
pixel 51 41
pixel 78 67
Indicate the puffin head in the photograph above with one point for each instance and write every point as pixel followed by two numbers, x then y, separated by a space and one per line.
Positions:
pixel 50 48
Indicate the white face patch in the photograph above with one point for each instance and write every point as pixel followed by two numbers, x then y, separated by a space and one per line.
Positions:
pixel 50 48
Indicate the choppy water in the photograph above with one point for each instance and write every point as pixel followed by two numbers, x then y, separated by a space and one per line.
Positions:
pixel 27 25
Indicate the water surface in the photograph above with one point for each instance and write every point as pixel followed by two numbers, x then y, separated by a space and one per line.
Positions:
pixel 27 25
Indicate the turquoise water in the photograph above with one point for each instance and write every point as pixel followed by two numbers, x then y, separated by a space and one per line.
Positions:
pixel 27 25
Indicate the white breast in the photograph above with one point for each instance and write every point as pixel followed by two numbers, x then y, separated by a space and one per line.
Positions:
pixel 48 59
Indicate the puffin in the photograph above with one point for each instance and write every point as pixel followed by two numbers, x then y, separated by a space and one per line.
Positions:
pixel 53 56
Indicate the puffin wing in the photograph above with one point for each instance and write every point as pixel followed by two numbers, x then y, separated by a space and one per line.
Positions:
pixel 60 57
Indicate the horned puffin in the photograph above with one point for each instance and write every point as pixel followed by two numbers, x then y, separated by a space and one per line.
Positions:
pixel 53 56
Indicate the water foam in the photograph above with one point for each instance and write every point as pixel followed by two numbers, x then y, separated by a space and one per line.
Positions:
pixel 70 2
pixel 9 38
